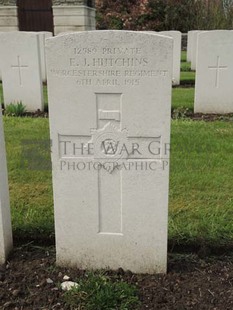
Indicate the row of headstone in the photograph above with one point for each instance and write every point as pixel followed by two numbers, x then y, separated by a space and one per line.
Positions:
pixel 110 126
pixel 110 104
pixel 22 62
pixel 23 68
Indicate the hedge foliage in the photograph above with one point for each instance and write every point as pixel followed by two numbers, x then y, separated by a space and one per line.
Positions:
pixel 158 15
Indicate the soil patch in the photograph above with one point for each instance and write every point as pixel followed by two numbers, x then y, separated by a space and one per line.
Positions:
pixel 30 281
pixel 181 113
pixel 184 113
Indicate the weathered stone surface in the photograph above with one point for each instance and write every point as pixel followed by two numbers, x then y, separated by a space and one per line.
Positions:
pixel 176 36
pixel 110 94
pixel 6 242
pixel 189 45
pixel 194 48
pixel 43 35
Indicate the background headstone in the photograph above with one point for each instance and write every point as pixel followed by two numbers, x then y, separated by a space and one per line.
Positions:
pixel 110 90
pixel 6 242
pixel 21 69
pixel 176 36
pixel 194 49
pixel 213 91
pixel 189 45
pixel 42 37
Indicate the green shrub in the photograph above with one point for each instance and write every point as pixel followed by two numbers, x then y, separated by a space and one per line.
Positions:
pixel 15 109
pixel 158 15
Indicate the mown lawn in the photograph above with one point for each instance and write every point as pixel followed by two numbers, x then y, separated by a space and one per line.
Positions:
pixel 30 191
pixel 201 201
pixel 183 97
pixel 187 78
pixel 186 75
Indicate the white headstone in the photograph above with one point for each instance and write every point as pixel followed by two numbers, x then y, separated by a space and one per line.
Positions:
pixel 189 45
pixel 176 36
pixel 21 69
pixel 213 91
pixel 0 72
pixel 5 217
pixel 110 94
pixel 43 35
pixel 194 49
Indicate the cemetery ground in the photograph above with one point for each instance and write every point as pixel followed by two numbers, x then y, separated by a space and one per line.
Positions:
pixel 200 273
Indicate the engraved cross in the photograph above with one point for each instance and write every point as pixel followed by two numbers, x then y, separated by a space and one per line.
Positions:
pixel 19 67
pixel 112 149
pixel 217 69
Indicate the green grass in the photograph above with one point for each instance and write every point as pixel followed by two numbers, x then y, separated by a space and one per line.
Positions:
pixel 45 98
pixel 183 97
pixel 185 67
pixel 99 292
pixel 30 191
pixel 183 56
pixel 187 77
pixel 201 203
